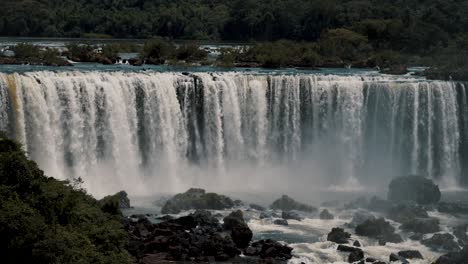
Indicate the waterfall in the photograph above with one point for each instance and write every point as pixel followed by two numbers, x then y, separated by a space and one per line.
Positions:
pixel 150 131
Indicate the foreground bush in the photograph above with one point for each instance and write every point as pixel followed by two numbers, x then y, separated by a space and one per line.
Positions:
pixel 44 220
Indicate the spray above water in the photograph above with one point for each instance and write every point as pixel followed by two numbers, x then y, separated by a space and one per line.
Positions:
pixel 147 132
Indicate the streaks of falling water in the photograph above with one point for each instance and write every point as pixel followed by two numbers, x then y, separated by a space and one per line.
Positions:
pixel 146 131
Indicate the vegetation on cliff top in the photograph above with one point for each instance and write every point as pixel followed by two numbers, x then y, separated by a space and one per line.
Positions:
pixel 44 220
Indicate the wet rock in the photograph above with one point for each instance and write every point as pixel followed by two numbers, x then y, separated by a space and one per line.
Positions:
pixel 394 257
pixel 374 228
pixel 454 208
pixel 389 238
pixel 356 254
pixel 326 215
pixel 458 257
pixel 264 215
pixel 238 203
pixel 416 236
pixel 135 62
pixel 338 235
pixel 257 207
pixel 461 235
pixel 291 215
pixel 414 188
pixel 286 203
pixel 196 199
pixel 357 244
pixel 113 203
pixel 410 254
pixel 269 249
pixel 165 218
pixel 421 225
pixel 371 260
pixel 360 217
pixel 442 242
pixel 282 222
pixel 406 212
pixel 240 231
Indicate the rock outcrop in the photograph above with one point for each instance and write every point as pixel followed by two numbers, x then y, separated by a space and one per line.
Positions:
pixel 286 203
pixel 196 199
pixel 414 188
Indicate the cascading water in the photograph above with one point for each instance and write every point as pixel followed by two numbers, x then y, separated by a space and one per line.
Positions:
pixel 167 131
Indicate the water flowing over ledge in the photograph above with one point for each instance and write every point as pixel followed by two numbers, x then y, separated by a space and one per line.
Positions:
pixel 166 131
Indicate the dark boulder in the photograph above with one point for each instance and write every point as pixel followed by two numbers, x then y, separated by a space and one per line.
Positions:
pixel 282 222
pixel 390 238
pixel 416 236
pixel 291 215
pixel 394 257
pixel 196 199
pixel 357 243
pixel 410 254
pixel 257 207
pixel 443 242
pixel 269 249
pixel 414 188
pixel 286 203
pixel 326 215
pixel 421 225
pixel 458 257
pixel 338 235
pixel 240 231
pixel 374 228
pixel 356 254
pixel 379 229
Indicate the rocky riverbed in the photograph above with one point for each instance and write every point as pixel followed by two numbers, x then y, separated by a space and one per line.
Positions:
pixel 417 229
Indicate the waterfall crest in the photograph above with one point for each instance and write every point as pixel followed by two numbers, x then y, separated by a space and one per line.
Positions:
pixel 166 131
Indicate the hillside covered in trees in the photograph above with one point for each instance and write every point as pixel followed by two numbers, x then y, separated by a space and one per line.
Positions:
pixel 421 32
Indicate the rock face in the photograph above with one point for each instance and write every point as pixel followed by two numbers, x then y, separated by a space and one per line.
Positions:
pixel 196 199
pixel 414 188
pixel 442 242
pixel 459 257
pixel 286 203
pixel 240 231
pixel 326 215
pixel 338 235
pixel 410 254
pixel 291 216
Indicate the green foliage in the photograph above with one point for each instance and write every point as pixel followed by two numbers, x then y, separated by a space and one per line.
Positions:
pixel 344 44
pixel 80 52
pixel 43 220
pixel 26 51
pixel 157 51
pixel 191 53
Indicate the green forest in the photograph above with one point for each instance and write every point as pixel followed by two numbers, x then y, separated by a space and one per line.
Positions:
pixel 423 32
